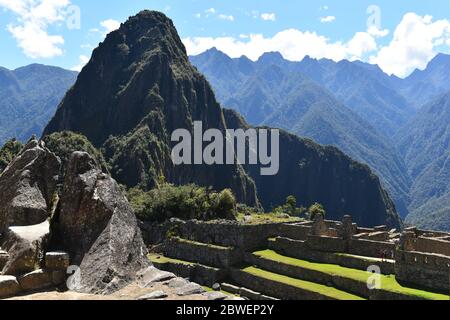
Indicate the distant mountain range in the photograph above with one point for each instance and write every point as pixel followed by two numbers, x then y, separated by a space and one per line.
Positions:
pixel 425 144
pixel 29 97
pixel 150 88
pixel 399 127
pixel 354 106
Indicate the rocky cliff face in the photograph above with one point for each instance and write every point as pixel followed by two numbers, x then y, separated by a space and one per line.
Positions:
pixel 137 89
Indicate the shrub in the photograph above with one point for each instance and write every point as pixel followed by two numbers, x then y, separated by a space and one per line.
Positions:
pixel 63 144
pixel 316 209
pixel 183 202
pixel 8 152
pixel 290 208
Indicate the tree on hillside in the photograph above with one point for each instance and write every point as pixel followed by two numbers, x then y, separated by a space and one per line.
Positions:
pixel 315 210
pixel 8 152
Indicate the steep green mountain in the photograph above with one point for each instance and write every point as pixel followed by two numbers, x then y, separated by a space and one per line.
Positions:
pixel 29 97
pixel 313 173
pixel 425 142
pixel 268 93
pixel 139 86
pixel 135 91
pixel 365 91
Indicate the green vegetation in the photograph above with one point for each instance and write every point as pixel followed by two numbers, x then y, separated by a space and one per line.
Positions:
pixel 291 208
pixel 29 98
pixel 183 202
pixel 264 218
pixel 8 152
pixel 306 285
pixel 63 144
pixel 425 144
pixel 315 210
pixel 389 283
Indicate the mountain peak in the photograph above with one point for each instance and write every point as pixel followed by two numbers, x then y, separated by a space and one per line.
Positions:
pixel 271 57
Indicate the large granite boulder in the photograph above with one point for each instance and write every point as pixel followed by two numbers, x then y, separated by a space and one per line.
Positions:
pixel 25 247
pixel 97 227
pixel 27 186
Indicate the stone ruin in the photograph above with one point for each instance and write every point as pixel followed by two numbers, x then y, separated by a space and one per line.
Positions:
pixel 417 258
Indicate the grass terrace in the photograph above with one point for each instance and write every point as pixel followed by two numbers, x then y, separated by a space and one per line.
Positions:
pixel 389 283
pixel 302 284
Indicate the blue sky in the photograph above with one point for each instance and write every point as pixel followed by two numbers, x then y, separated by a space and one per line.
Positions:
pixel 405 35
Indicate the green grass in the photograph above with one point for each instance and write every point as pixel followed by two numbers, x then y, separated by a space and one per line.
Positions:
pixel 388 283
pixel 302 284
pixel 266 218
pixel 367 259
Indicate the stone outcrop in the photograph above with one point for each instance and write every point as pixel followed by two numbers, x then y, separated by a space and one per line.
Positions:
pixel 8 286
pixel 97 227
pixel 25 247
pixel 27 186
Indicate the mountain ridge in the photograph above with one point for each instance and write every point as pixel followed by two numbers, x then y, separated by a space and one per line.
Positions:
pixel 29 96
pixel 143 69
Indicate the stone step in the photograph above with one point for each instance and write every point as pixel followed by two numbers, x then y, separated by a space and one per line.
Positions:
pixel 245 293
pixel 202 253
pixel 284 287
pixel 199 273
pixel 346 279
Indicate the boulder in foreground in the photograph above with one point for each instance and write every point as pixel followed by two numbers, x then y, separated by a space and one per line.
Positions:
pixel 27 186
pixel 97 227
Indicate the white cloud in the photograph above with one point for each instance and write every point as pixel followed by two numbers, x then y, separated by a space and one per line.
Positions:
pixel 226 17
pixel 83 61
pixel 290 43
pixel 413 45
pixel 374 31
pixel 198 15
pixel 268 16
pixel 210 11
pixel 327 19
pixel 33 18
pixel 110 25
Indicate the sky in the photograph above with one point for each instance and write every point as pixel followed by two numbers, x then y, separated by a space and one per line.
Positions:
pixel 399 35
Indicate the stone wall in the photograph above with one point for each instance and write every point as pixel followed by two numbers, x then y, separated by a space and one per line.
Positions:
pixel 295 231
pixel 370 248
pixel 431 245
pixel 224 233
pixel 327 244
pixel 427 270
pixel 210 255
